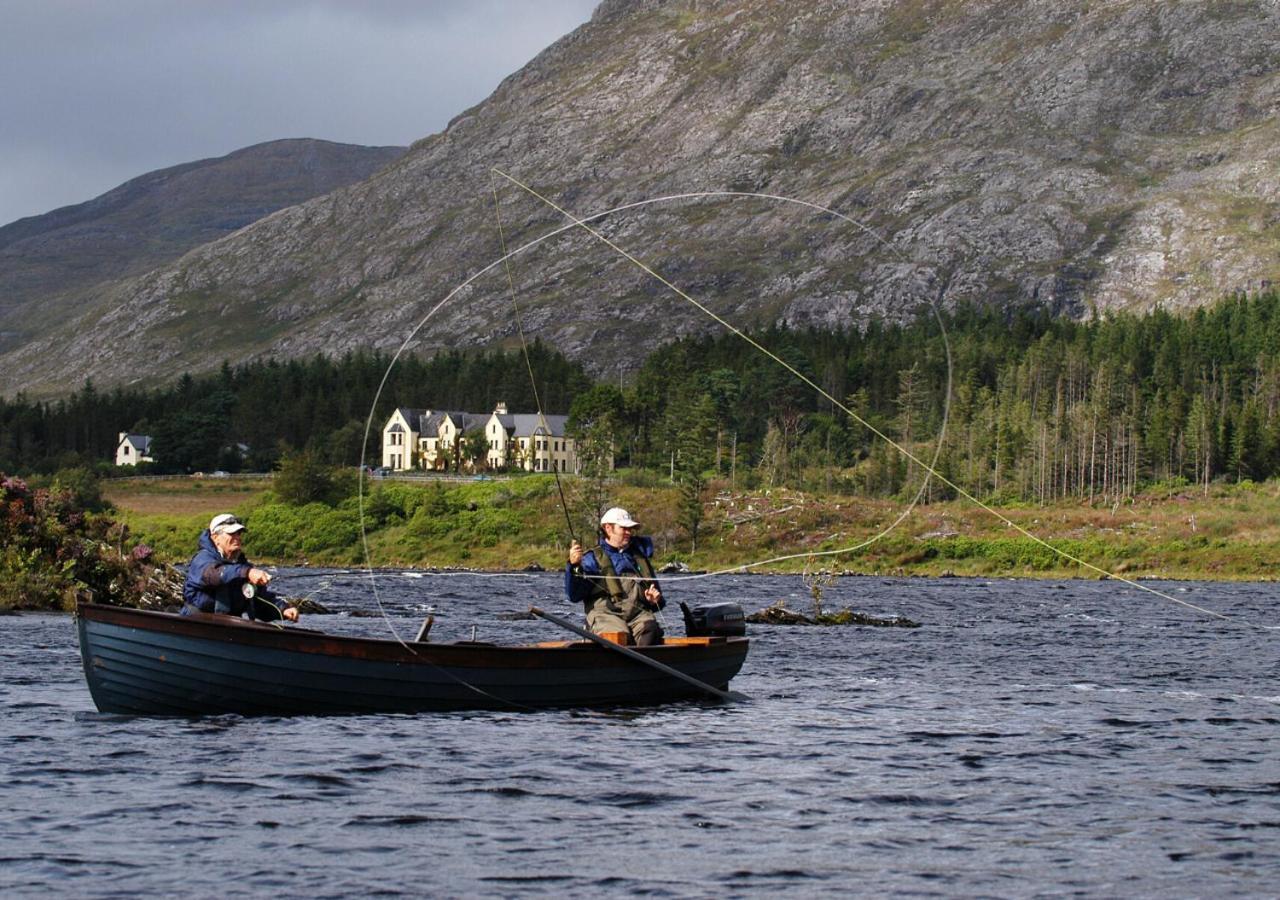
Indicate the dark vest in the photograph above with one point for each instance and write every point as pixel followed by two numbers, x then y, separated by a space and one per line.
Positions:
pixel 612 585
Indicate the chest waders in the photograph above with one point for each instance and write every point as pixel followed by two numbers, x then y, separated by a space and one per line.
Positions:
pixel 614 585
pixel 626 607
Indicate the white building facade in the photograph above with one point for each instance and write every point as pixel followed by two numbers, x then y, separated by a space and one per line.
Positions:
pixel 423 439
pixel 400 438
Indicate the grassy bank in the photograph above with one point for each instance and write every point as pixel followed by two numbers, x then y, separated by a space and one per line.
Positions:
pixel 1233 533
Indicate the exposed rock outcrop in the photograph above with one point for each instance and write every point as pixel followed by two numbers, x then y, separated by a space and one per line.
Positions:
pixel 1074 155
pixel 778 614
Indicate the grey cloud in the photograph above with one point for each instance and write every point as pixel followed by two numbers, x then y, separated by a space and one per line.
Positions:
pixel 107 91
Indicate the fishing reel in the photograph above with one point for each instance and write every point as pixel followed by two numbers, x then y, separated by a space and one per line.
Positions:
pixel 249 590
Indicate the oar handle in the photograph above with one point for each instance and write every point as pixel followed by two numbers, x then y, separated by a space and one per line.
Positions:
pixel 639 657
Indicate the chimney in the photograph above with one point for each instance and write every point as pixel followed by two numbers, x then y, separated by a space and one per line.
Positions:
pixel 500 409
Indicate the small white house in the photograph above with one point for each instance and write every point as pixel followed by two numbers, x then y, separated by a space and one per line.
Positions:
pixel 132 449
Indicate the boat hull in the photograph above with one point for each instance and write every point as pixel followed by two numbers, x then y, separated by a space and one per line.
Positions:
pixel 147 663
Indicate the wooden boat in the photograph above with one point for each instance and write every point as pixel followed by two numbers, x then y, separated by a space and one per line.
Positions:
pixel 149 663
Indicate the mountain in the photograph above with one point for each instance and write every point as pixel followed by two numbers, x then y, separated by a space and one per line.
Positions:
pixel 50 263
pixel 1081 155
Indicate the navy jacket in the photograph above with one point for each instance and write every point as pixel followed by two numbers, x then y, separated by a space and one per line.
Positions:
pixel 214 584
pixel 578 590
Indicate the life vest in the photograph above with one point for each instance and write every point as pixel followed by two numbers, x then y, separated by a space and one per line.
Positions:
pixel 613 583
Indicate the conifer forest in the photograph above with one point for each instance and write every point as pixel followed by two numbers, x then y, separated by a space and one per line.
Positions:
pixel 1015 405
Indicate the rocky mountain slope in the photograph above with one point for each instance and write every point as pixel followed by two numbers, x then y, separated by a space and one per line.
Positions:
pixel 51 264
pixel 1080 154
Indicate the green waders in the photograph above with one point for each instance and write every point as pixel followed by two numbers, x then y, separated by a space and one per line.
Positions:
pixel 618 603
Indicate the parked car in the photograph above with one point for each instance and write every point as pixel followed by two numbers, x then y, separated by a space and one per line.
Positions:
pixel 382 471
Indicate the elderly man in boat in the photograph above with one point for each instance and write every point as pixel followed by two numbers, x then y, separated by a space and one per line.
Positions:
pixel 615 581
pixel 219 573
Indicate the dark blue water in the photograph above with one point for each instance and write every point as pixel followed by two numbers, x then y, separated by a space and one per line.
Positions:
pixel 1032 738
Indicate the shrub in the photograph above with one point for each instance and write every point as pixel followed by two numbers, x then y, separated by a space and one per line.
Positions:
pixel 52 554
pixel 333 529
pixel 379 507
pixel 640 478
pixel 276 529
pixel 303 479
pixel 84 487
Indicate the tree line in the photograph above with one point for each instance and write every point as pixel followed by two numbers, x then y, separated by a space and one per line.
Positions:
pixel 246 416
pixel 1017 405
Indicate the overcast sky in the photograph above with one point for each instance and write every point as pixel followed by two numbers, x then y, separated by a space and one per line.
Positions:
pixel 95 92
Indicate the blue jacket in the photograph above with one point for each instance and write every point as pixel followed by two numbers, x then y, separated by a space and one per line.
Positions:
pixel 578 589
pixel 214 584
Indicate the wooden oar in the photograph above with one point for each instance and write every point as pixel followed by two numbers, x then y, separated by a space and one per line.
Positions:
pixel 640 657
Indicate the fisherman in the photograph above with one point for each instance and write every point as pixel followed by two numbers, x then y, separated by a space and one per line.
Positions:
pixel 615 581
pixel 219 574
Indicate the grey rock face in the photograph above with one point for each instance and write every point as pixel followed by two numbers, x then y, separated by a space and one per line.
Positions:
pixel 1078 155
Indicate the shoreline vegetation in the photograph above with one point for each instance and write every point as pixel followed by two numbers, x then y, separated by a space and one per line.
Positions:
pixel 59 550
pixel 1176 532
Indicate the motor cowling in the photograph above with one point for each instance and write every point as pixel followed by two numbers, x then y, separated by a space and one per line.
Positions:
pixel 715 620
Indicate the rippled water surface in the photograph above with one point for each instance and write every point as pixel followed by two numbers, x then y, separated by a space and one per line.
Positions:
pixel 1030 738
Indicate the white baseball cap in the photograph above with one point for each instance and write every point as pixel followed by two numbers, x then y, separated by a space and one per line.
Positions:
pixel 618 516
pixel 225 524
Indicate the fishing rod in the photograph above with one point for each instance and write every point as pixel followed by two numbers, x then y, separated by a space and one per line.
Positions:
pixel 524 344
pixel 931 470
pixel 575 222
pixel 306 576
pixel 326 581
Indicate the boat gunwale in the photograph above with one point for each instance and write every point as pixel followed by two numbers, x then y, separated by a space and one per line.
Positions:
pixel 228 629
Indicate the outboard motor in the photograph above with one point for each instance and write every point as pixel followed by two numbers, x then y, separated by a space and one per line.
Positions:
pixel 716 620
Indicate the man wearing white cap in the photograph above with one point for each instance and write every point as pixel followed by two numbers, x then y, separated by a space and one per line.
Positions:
pixel 218 574
pixel 615 581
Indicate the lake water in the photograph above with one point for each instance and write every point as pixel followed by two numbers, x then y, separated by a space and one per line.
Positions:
pixel 1031 738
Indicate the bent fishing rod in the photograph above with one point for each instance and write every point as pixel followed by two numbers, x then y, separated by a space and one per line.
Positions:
pixel 524 345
